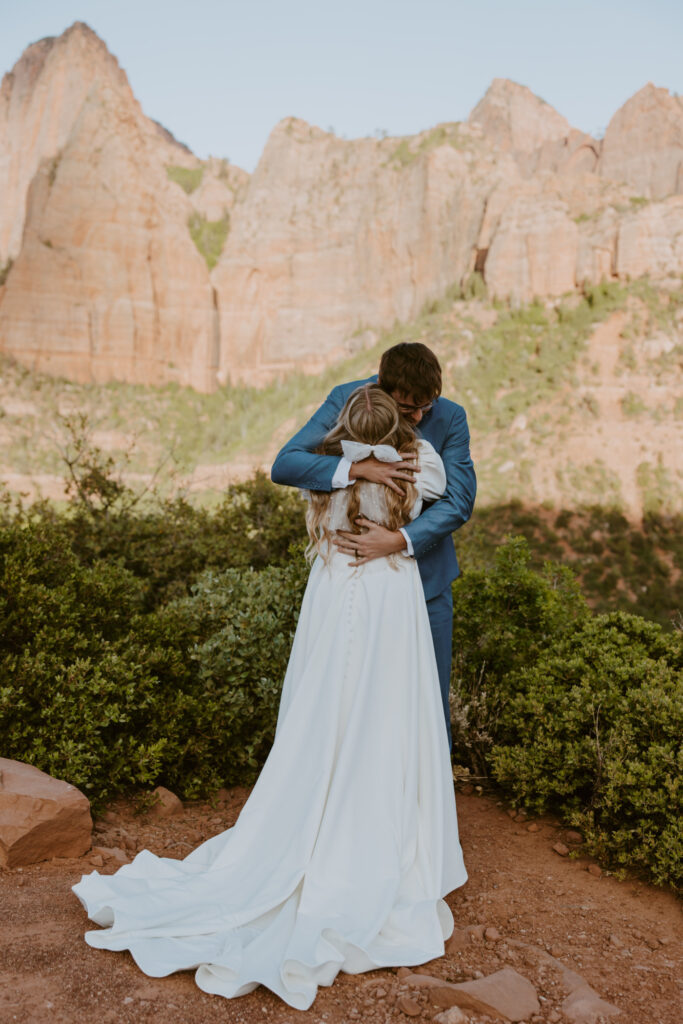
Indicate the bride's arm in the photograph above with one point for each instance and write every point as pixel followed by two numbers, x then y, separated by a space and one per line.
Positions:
pixel 431 480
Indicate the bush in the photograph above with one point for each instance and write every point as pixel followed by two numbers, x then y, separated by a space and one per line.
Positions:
pixel 168 544
pixel 220 658
pixel 593 728
pixel 503 619
pixel 108 698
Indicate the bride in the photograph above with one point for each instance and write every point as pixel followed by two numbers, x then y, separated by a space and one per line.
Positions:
pixel 348 842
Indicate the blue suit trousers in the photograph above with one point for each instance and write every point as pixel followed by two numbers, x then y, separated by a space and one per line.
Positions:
pixel 440 610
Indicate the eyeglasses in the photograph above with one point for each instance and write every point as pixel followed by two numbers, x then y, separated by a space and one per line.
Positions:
pixel 404 407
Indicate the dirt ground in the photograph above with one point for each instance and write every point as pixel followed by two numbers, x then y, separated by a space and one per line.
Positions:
pixel 623 937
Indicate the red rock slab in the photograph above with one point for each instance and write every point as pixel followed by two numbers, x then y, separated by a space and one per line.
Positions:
pixel 40 817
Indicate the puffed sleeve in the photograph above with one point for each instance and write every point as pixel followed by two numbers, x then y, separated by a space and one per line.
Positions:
pixel 431 480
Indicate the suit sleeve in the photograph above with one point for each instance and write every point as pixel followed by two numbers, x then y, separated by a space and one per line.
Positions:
pixel 455 507
pixel 296 464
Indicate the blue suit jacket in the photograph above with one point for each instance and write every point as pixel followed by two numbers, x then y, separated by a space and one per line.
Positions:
pixel 445 427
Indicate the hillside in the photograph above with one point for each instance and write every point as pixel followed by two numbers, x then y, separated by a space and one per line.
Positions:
pixel 569 403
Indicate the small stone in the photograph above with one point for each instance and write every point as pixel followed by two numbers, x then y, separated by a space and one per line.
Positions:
pixel 521 815
pixel 616 941
pixel 583 1005
pixel 114 853
pixel 167 803
pixel 459 939
pixel 128 1000
pixel 453 1015
pixel 595 870
pixel 97 860
pixel 664 940
pixel 533 827
pixel 561 849
pixel 573 837
pixel 354 1012
pixel 403 972
pixel 409 1006
pixel 492 935
pixel 444 997
pixel 651 942
pixel 422 981
pixel 505 994
pixel 380 993
pixel 554 1017
pixel 476 931
pixel 511 812
pixel 555 951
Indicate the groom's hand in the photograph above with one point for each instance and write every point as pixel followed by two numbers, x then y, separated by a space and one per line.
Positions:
pixel 376 543
pixel 385 472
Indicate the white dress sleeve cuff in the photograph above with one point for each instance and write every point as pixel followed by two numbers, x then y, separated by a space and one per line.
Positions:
pixel 341 474
pixel 408 550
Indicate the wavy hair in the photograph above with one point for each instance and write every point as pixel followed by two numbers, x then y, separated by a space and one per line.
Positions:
pixel 370 416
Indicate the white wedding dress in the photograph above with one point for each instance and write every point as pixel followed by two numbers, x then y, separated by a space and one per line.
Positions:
pixel 342 854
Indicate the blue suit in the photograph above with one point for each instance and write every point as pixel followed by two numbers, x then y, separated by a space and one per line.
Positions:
pixel 445 427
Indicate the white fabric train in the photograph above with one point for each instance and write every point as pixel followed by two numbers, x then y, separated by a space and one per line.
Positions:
pixel 348 842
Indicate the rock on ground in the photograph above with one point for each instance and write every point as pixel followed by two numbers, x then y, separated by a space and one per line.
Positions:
pixel 40 817
pixel 167 803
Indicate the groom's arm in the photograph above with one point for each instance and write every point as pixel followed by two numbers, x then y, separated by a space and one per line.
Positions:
pixel 455 507
pixel 297 464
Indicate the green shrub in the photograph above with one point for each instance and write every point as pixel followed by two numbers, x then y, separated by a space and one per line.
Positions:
pixel 189 178
pixel 504 618
pixel 209 236
pixel 94 691
pixel 168 543
pixel 593 728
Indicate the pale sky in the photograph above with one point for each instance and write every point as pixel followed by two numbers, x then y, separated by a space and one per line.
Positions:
pixel 221 73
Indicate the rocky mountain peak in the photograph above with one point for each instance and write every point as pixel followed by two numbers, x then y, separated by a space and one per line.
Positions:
pixel 514 118
pixel 643 144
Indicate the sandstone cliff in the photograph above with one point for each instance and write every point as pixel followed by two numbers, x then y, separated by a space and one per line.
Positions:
pixel 108 283
pixel 643 144
pixel 134 260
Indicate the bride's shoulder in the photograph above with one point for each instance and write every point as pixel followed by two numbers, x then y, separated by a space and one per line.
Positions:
pixel 425 448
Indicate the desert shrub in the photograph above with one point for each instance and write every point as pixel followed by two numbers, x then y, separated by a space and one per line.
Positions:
pixel 189 178
pixel 96 691
pixel 71 692
pixel 168 543
pixel 220 657
pixel 504 617
pixel 593 728
pixel 209 236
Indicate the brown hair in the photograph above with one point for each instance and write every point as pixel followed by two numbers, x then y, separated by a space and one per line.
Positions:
pixel 411 369
pixel 370 416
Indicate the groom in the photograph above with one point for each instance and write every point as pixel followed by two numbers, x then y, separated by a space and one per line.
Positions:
pixel 411 374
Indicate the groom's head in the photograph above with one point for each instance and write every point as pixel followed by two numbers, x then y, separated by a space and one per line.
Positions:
pixel 411 374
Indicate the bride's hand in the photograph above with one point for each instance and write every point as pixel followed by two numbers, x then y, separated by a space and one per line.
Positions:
pixel 377 542
pixel 385 472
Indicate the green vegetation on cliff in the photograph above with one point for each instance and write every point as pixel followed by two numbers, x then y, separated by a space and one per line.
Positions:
pixel 189 178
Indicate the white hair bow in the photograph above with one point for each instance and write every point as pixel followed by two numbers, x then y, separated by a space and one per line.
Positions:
pixel 354 451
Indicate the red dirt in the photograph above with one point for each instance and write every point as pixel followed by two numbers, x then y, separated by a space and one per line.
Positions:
pixel 622 936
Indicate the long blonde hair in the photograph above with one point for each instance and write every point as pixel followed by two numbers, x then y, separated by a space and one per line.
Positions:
pixel 370 416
